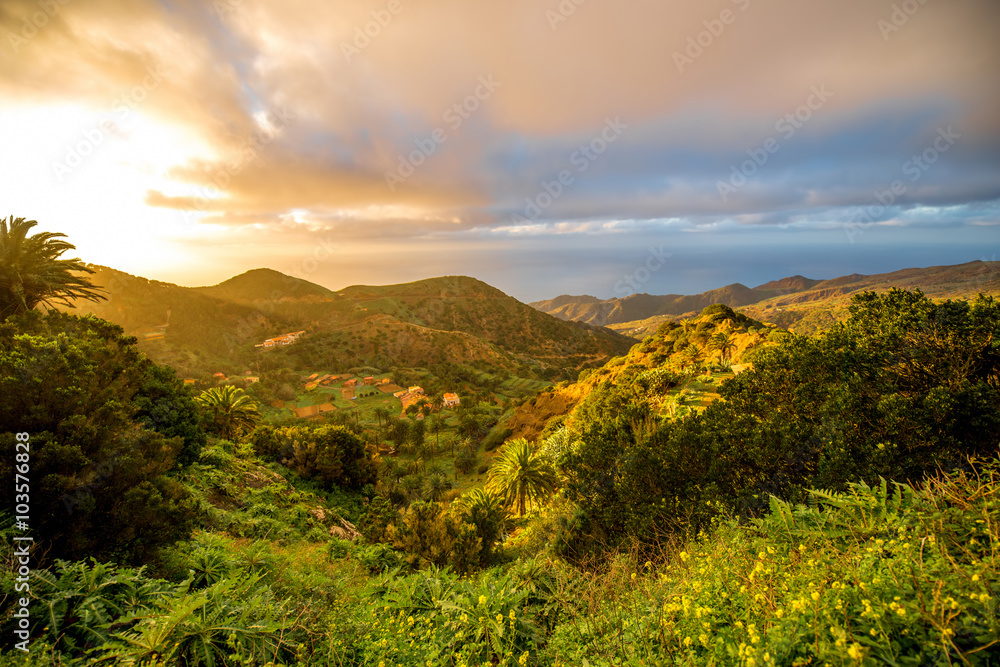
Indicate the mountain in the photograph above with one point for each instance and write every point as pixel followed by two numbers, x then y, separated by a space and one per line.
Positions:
pixel 817 307
pixel 260 285
pixel 787 285
pixel 797 303
pixel 675 346
pixel 453 319
pixel 599 312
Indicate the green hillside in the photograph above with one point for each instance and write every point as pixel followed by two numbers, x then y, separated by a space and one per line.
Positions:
pixel 456 320
pixel 796 303
pixel 690 348
pixel 458 303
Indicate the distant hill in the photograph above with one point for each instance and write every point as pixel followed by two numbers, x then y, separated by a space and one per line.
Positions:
pixel 199 330
pixel 598 312
pixel 673 346
pixel 459 303
pixel 787 285
pixel 797 303
pixel 260 285
pixel 813 309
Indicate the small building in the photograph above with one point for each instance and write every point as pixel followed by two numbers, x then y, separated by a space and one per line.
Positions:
pixel 416 390
pixel 327 407
pixel 351 383
pixel 451 400
pixel 312 377
pixel 370 380
pixel 250 379
pixel 189 381
pixel 219 375
pixel 400 393
pixel 306 412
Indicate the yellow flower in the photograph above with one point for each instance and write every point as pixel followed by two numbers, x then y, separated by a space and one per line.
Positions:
pixel 523 660
pixel 975 577
pixel 482 600
pixel 687 641
pixel 855 651
pixel 512 614
pixel 815 595
pixel 684 555
pixel 633 576
pixel 499 618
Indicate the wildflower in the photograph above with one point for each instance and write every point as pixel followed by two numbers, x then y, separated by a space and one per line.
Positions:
pixel 482 600
pixel 687 641
pixel 975 577
pixel 815 595
pixel 855 651
pixel 684 556
pixel 512 614
pixel 523 660
pixel 499 618
pixel 633 576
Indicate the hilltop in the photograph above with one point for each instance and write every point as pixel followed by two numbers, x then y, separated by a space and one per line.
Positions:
pixel 800 304
pixel 452 319
pixel 606 312
pixel 680 347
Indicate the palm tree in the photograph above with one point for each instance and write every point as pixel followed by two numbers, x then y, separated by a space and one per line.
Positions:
pixel 31 272
pixel 232 412
pixel 724 343
pixel 520 476
pixel 435 486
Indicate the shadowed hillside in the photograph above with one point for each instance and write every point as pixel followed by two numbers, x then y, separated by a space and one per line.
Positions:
pixel 797 303
pixel 455 319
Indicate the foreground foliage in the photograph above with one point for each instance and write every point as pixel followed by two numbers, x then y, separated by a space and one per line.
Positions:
pixel 884 574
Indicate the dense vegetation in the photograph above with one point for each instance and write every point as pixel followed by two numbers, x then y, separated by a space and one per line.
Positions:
pixel 835 503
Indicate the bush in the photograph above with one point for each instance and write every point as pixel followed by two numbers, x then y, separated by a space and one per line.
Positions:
pixel 431 535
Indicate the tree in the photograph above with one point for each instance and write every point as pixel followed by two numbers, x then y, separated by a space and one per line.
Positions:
pixel 487 513
pixel 520 477
pixel 98 469
pixel 437 425
pixel 31 272
pixel 381 412
pixel 724 344
pixel 231 413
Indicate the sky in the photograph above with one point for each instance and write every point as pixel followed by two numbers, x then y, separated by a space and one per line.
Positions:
pixel 547 147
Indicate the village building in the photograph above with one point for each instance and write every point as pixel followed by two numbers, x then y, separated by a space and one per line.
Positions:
pixel 451 400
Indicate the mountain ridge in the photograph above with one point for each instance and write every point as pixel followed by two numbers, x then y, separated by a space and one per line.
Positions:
pixel 640 314
pixel 449 319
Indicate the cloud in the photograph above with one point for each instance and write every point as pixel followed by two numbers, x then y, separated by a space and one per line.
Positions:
pixel 371 120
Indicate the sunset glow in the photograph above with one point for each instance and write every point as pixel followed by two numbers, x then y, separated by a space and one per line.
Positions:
pixel 543 147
